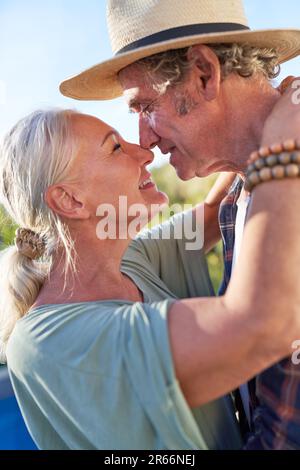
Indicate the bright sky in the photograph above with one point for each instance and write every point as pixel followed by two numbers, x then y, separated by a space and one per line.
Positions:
pixel 43 42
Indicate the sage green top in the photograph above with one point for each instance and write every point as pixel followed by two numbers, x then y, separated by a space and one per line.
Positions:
pixel 100 375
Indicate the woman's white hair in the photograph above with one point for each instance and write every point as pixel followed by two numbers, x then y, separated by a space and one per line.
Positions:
pixel 34 155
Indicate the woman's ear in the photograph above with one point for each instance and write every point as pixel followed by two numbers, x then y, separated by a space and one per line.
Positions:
pixel 208 70
pixel 63 200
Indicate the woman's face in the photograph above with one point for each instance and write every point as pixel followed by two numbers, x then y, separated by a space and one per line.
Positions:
pixel 111 173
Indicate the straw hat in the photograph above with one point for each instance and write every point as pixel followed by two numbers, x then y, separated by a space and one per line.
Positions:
pixel 140 28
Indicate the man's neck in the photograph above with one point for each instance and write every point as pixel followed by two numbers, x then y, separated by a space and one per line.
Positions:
pixel 250 107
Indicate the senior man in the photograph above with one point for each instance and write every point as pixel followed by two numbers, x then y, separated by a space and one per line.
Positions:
pixel 200 80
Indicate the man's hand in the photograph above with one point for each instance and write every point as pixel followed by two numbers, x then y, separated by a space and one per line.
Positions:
pixel 284 121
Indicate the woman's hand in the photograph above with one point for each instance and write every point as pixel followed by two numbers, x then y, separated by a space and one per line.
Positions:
pixel 283 122
pixel 220 189
pixel 211 209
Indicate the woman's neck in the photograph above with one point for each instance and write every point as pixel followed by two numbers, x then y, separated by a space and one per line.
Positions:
pixel 98 276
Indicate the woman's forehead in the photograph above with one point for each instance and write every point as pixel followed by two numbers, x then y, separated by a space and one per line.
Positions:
pixel 84 124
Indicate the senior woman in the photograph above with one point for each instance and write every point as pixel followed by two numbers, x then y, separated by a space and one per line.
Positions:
pixel 101 352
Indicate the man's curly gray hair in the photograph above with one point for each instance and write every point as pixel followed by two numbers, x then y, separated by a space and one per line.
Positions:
pixel 172 66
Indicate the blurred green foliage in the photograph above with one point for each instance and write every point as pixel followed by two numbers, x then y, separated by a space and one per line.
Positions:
pixel 7 229
pixel 191 192
pixel 181 192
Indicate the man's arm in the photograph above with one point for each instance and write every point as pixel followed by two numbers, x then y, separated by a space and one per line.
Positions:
pixel 220 343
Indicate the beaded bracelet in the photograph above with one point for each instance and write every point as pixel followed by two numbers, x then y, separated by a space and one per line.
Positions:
pixel 275 162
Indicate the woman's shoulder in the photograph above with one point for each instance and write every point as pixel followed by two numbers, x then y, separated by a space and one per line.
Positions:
pixel 57 317
pixel 55 329
pixel 81 333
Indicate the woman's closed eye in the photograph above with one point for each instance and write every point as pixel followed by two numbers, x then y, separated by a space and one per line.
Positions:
pixel 117 146
pixel 116 143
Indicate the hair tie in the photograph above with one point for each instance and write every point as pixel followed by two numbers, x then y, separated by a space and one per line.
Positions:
pixel 30 243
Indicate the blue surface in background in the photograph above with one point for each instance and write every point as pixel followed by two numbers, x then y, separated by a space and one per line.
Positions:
pixel 13 432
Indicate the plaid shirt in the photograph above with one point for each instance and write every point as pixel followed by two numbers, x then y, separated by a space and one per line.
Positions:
pixel 275 393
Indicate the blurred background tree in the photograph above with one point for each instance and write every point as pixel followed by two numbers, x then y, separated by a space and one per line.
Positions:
pixel 180 192
pixel 7 229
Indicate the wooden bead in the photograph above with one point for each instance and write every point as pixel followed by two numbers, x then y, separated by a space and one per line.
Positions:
pixel 265 174
pixel 278 172
pixel 276 148
pixel 295 157
pixel 250 168
pixel 292 170
pixel 272 160
pixel 253 156
pixel 259 164
pixel 253 178
pixel 284 158
pixel 289 145
pixel 264 151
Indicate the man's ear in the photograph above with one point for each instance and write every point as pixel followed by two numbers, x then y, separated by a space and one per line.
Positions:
pixel 208 69
pixel 63 200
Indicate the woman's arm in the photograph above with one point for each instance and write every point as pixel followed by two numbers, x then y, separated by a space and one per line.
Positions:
pixel 211 209
pixel 284 121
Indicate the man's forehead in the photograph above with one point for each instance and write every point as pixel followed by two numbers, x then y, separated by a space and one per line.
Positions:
pixel 136 95
pixel 135 84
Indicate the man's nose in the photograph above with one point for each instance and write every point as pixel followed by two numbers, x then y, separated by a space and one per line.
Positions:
pixel 148 138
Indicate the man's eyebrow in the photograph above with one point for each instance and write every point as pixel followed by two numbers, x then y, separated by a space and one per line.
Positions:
pixel 134 103
pixel 110 133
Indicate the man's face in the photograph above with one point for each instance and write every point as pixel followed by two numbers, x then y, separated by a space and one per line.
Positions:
pixel 179 121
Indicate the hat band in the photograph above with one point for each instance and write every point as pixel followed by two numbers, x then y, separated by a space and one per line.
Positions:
pixel 182 31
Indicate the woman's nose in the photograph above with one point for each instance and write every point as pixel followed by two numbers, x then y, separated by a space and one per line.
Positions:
pixel 142 156
pixel 148 138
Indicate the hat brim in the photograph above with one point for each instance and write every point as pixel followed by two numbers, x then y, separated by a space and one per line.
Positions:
pixel 100 82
